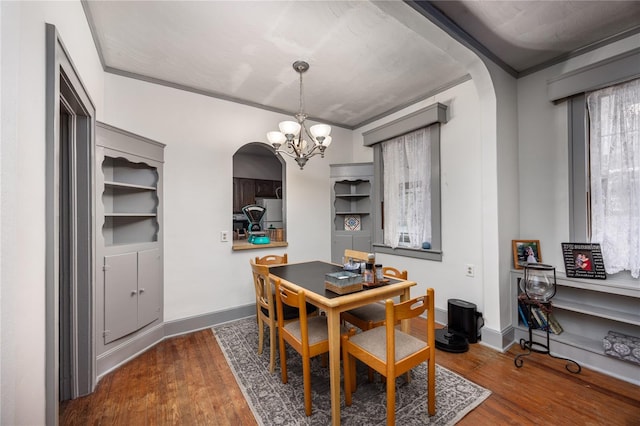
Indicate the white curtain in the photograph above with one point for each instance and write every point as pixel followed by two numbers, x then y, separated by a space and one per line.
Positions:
pixel 614 114
pixel 407 189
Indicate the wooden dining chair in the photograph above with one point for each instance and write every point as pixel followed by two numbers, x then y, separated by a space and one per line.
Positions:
pixel 272 259
pixel 391 352
pixel 355 255
pixel 266 310
pixel 309 336
pixel 372 315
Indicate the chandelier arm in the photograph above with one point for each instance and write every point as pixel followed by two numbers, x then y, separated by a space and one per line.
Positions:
pixel 288 154
pixel 308 133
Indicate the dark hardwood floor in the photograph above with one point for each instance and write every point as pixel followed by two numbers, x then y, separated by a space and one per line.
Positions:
pixel 186 381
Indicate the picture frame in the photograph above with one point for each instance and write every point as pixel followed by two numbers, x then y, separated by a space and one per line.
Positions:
pixel 522 249
pixel 583 260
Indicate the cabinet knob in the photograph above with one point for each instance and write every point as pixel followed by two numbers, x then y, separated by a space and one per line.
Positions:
pixel 141 290
pixel 133 292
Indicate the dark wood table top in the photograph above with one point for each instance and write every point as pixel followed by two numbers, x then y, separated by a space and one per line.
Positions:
pixel 310 275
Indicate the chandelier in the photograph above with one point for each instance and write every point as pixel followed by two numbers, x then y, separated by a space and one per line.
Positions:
pixel 294 139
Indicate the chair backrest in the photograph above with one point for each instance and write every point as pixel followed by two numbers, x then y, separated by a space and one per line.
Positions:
pixel 272 259
pixel 262 284
pixel 395 273
pixel 410 309
pixel 295 298
pixel 356 255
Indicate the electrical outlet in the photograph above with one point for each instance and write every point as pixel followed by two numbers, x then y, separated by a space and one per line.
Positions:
pixel 469 270
pixel 224 236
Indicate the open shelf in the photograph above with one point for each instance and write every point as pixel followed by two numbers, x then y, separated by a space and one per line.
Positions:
pixel 351 208
pixel 587 310
pixel 130 202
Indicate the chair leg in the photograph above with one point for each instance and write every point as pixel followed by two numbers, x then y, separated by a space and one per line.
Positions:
pixel 391 401
pixel 283 360
pixel 260 335
pixel 431 386
pixel 272 348
pixel 306 374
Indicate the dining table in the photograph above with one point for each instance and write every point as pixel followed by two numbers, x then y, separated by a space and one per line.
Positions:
pixel 310 276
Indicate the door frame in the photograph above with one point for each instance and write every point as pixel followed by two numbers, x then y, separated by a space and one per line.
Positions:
pixel 64 86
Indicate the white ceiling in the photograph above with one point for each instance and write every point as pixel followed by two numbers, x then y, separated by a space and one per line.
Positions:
pixel 367 58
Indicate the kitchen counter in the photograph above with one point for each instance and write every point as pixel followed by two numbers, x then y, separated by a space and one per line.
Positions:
pixel 244 245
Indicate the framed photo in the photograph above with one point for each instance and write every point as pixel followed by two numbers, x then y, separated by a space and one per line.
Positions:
pixel 526 251
pixel 583 260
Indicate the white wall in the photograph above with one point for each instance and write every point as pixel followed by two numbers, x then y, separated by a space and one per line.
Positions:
pixel 202 274
pixel 543 158
pixel 22 298
pixel 461 187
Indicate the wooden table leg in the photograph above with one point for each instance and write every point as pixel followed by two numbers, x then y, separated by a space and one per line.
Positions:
pixel 333 323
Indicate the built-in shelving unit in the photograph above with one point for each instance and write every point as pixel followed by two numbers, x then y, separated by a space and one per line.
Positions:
pixel 351 206
pixel 587 310
pixel 129 256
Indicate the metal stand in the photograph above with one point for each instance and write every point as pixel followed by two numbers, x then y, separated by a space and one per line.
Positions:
pixel 531 346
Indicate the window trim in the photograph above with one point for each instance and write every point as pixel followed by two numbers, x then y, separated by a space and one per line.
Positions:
pixel 433 115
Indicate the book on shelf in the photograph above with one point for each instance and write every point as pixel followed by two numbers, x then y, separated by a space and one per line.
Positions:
pixel 522 310
pixel 537 315
pixel 554 325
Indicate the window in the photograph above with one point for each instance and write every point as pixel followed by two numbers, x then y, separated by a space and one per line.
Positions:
pixel 407 190
pixel 407 184
pixel 614 166
pixel 605 174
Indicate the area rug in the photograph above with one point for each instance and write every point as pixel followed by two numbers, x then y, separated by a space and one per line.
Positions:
pixel 275 403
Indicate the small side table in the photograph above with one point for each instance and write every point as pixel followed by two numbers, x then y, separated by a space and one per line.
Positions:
pixel 531 346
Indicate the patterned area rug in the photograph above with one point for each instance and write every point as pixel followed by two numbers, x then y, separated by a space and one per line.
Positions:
pixel 275 403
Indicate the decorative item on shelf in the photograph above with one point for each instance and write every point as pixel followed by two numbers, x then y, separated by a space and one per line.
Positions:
pixel 538 287
pixel 622 346
pixel 583 260
pixel 352 222
pixel 295 136
pixel 539 281
pixel 526 251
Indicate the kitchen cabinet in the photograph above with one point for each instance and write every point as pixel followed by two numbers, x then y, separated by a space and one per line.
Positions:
pixel 246 190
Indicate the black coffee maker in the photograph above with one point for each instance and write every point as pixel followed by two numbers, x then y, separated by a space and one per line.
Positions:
pixel 464 324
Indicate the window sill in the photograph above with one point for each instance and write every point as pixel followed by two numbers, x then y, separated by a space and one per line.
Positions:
pixel 435 255
pixel 244 245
